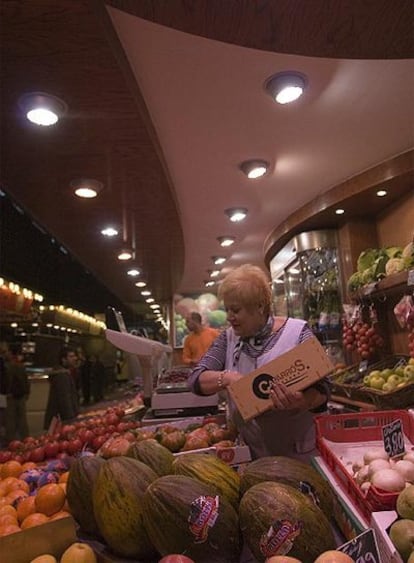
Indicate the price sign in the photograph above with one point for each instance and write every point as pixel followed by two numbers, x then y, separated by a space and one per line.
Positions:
pixel 393 437
pixel 363 548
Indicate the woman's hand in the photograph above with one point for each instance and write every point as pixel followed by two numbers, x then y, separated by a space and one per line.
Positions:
pixel 285 399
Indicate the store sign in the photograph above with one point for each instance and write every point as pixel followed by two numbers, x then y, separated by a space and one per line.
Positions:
pixel 393 437
pixel 363 548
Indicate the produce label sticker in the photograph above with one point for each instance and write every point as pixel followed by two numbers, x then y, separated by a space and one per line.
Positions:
pixel 393 437
pixel 279 538
pixel 362 548
pixel 203 515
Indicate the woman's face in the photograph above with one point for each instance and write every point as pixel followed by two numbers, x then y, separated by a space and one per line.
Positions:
pixel 245 322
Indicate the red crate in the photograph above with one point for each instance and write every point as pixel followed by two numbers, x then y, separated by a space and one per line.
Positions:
pixel 359 427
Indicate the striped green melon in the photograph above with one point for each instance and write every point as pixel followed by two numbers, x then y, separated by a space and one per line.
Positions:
pixel 82 475
pixel 153 454
pixel 276 519
pixel 118 506
pixel 183 515
pixel 211 470
pixel 291 472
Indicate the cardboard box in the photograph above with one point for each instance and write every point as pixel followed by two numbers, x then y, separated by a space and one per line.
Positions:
pixel 53 537
pixel 298 369
pixel 380 522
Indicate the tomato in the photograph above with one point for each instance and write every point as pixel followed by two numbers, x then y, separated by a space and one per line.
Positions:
pixel 51 449
pixel 15 445
pixel 37 454
pixel 74 446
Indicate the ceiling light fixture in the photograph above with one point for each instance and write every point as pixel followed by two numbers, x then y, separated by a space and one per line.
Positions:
pixel 133 272
pixel 236 214
pixel 145 293
pixel 218 260
pixel 41 108
pixel 226 241
pixel 286 87
pixel 209 283
pixel 141 284
pixel 125 254
pixel 154 306
pixel 381 193
pixel 214 273
pixel 339 211
pixel 109 232
pixel 150 300
pixel 254 168
pixel 86 187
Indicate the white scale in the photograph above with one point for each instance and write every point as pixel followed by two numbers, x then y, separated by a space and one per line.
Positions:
pixel 167 399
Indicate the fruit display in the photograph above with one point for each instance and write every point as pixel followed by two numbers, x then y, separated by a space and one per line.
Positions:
pixel 401 531
pixel 391 378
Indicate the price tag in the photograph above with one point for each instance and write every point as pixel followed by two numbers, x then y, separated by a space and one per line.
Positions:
pixel 393 437
pixel 410 277
pixel 363 548
pixel 363 366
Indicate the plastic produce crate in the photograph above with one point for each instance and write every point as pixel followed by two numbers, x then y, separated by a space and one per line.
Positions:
pixel 340 432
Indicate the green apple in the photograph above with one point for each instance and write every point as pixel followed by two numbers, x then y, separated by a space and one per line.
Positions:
pixel 402 536
pixel 376 382
pixel 395 379
pixel 399 371
pixel 385 373
pixel 409 373
pixel 411 362
pixel 375 373
pixel 389 387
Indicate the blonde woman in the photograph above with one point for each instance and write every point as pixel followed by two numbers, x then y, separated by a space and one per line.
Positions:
pixel 254 338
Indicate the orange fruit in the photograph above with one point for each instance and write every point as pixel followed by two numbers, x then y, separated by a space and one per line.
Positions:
pixel 25 507
pixel 64 477
pixel 50 499
pixel 9 529
pixel 11 468
pixel 15 495
pixel 35 519
pixel 20 485
pixel 8 519
pixel 3 502
pixel 46 558
pixel 8 509
pixel 7 483
pixel 60 514
pixel 28 465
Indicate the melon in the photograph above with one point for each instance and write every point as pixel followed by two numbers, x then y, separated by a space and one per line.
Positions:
pixel 153 454
pixel 183 515
pixel 118 506
pixel 289 471
pixel 277 519
pixel 211 470
pixel 83 473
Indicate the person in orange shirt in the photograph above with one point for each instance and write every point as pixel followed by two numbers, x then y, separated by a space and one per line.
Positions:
pixel 198 341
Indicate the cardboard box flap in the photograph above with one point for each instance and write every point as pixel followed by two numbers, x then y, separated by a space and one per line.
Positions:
pixel 298 369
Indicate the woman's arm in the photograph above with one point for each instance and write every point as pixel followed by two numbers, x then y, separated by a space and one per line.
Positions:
pixel 215 381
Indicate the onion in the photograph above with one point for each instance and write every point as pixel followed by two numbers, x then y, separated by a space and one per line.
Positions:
pixel 388 480
pixel 375 453
pixel 362 475
pixel 365 486
pixel 357 465
pixel 376 465
pixel 406 469
pixel 409 456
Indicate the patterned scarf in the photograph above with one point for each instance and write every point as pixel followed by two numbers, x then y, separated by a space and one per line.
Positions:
pixel 255 346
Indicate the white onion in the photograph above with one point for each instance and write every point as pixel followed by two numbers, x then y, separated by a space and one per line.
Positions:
pixel 388 480
pixel 376 465
pixel 406 469
pixel 375 453
pixel 409 456
pixel 362 475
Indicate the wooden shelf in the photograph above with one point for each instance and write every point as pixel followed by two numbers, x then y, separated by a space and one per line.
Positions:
pixel 389 284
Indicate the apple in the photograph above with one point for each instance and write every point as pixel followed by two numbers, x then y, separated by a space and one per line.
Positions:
pixel 79 552
pixel 408 373
pixel 385 373
pixel 376 382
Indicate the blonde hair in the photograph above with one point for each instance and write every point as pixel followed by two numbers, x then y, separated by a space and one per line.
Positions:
pixel 249 285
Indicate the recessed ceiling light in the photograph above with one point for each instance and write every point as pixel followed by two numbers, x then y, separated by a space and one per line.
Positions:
pixel 236 214
pixel 86 187
pixel 41 108
pixel 254 168
pixel 209 283
pixel 133 272
pixel 218 260
pixel 381 193
pixel 214 273
pixel 145 293
pixel 109 232
pixel 125 254
pixel 286 87
pixel 150 300
pixel 154 306
pixel 141 284
pixel 339 211
pixel 226 241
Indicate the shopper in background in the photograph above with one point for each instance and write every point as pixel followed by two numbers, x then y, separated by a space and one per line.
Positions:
pixel 254 338
pixel 17 390
pixel 97 374
pixel 63 401
pixel 199 339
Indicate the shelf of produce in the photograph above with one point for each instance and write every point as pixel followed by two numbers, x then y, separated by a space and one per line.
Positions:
pixel 389 284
